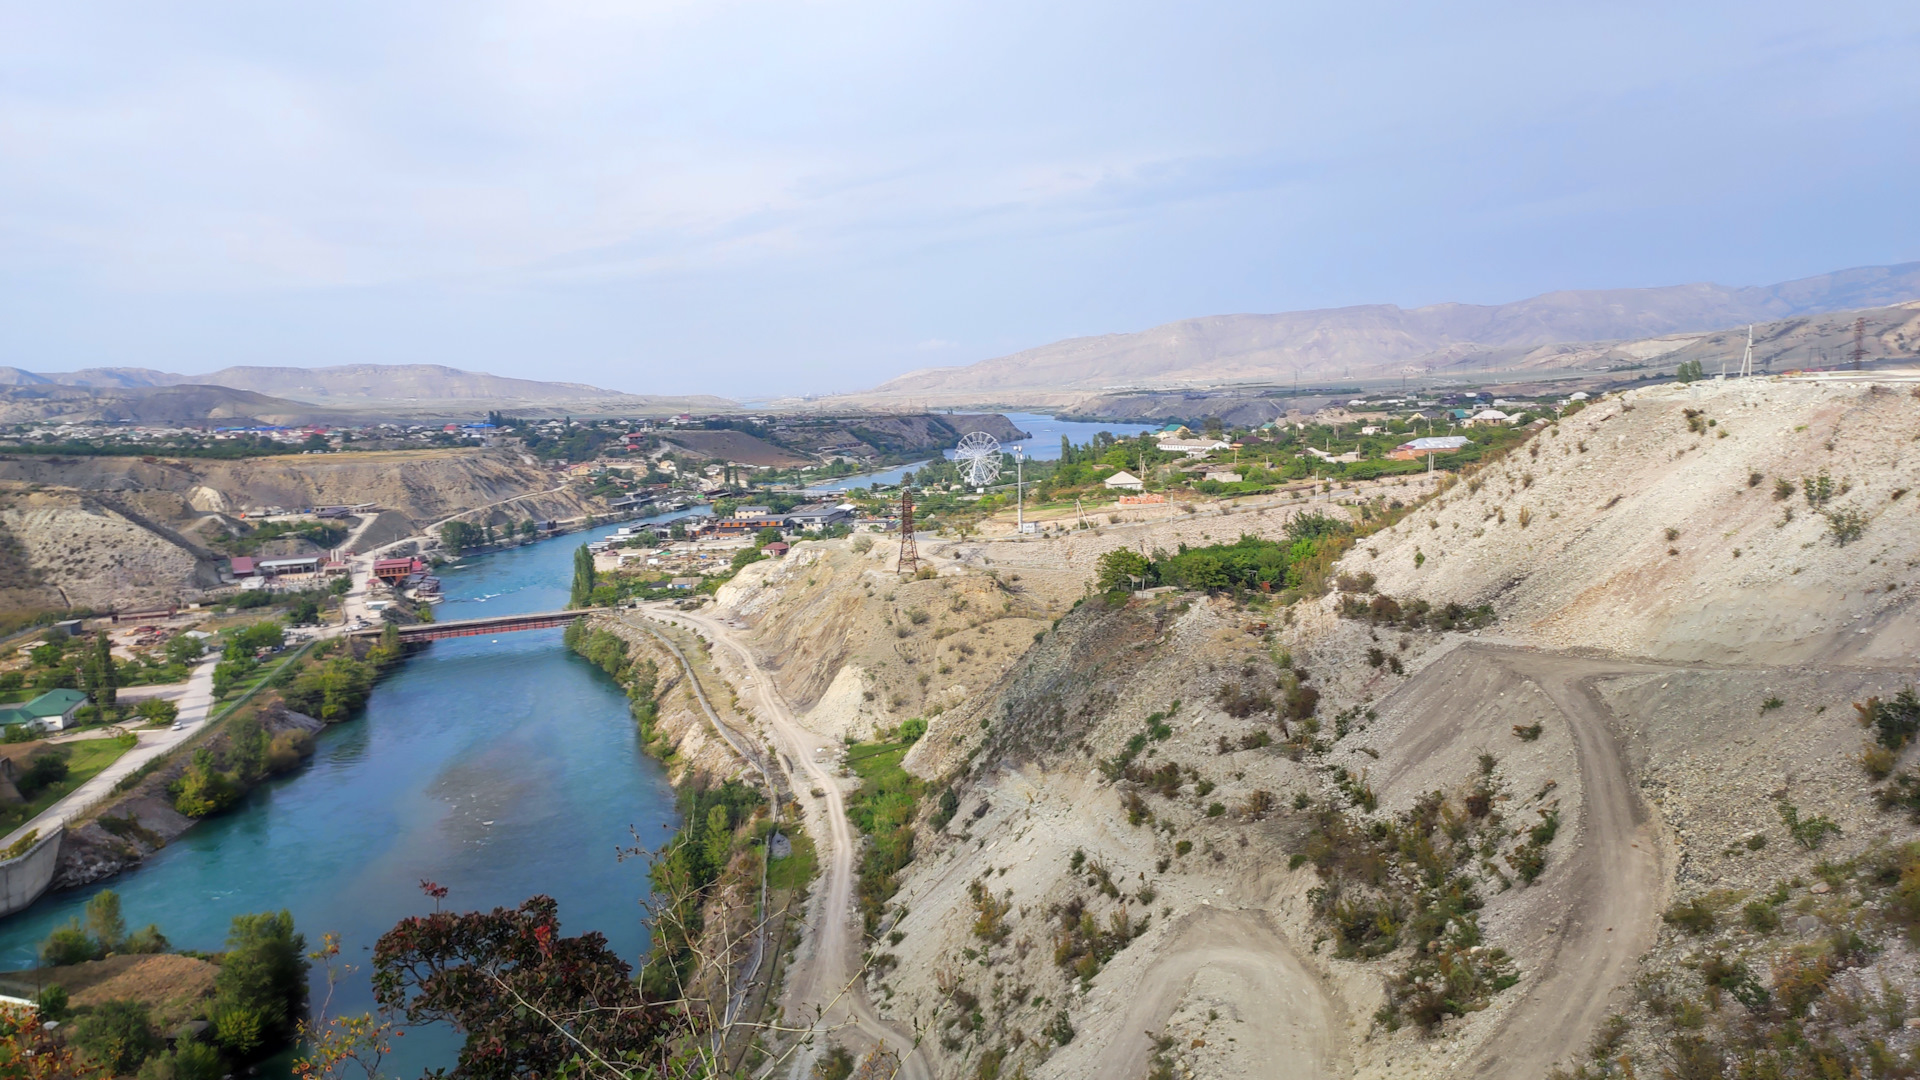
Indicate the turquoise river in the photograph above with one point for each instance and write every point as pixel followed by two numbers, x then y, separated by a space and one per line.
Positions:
pixel 497 767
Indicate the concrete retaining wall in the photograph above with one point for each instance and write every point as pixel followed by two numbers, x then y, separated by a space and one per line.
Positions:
pixel 25 877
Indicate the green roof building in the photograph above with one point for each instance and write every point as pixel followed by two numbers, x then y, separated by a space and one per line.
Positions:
pixel 51 711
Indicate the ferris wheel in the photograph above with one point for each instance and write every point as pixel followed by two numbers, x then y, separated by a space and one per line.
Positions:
pixel 978 456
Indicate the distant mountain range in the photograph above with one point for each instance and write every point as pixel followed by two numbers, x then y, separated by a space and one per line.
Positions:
pixel 1382 340
pixel 343 394
pixel 345 382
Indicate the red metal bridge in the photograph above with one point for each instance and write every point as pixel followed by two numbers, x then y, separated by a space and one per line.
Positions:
pixel 495 624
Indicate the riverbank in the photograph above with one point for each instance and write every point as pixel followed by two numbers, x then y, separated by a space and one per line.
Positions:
pixel 742 860
pixel 500 768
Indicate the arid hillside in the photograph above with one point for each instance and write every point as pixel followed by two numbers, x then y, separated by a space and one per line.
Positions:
pixel 1762 521
pixel 120 531
pixel 1623 820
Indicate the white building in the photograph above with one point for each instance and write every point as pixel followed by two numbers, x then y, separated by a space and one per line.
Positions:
pixel 1124 481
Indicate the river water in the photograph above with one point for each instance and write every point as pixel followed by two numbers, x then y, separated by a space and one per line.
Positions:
pixel 497 767
pixel 1042 444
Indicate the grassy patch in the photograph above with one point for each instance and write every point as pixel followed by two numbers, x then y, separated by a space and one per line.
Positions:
pixel 883 809
pixel 85 761
pixel 797 870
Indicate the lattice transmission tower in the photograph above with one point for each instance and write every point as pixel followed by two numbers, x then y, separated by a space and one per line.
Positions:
pixel 909 555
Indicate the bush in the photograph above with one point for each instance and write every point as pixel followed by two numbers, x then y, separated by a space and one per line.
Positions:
pixel 1894 723
pixel 1845 526
pixel 1695 916
pixel 188 1061
pixel 288 750
pixel 68 944
pixel 117 1035
pixel 53 1002
pixel 911 729
pixel 1809 832
pixel 47 767
pixel 147 939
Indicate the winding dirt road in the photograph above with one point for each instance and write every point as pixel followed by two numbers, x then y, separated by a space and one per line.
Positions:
pixel 828 987
pixel 1600 911
pixel 1611 882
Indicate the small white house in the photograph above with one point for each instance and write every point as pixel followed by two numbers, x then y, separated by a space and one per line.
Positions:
pixel 1487 416
pixel 1223 476
pixel 1124 480
pixel 1193 447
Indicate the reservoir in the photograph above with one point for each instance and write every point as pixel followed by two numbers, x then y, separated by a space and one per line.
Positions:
pixel 1042 444
pixel 497 767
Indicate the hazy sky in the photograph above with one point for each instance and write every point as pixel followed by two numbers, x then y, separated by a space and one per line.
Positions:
pixel 753 198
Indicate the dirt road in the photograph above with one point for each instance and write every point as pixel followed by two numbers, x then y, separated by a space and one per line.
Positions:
pixel 1276 1011
pixel 826 987
pixel 1612 881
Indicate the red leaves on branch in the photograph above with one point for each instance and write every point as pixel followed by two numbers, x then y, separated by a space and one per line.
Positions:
pixel 520 992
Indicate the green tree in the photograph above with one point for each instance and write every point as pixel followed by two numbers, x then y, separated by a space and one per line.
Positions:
pixel 331 690
pixel 1690 371
pixel 104 922
pixel 203 789
pixel 184 649
pixel 766 536
pixel 102 673
pixel 457 536
pixel 157 711
pixel 260 993
pixel 583 577
pixel 1119 568
pixel 719 836
pixel 117 1035
pixel 246 751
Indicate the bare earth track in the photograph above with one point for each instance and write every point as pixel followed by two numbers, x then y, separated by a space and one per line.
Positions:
pixel 828 987
pixel 1606 897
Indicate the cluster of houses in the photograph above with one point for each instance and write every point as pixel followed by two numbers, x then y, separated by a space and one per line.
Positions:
pixel 253 572
pixel 750 520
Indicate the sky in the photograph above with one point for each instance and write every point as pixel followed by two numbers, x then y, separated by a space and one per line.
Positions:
pixel 812 196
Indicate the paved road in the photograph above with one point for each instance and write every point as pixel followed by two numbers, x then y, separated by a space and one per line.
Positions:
pixel 195 704
pixel 829 986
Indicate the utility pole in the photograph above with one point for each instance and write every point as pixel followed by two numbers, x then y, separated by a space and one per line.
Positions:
pixel 1746 358
pixel 909 554
pixel 1859 341
pixel 1019 489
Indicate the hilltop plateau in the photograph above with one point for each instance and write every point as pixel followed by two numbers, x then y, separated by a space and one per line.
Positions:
pixel 1558 766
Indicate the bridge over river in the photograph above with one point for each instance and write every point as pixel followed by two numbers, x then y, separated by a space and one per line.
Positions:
pixel 495 624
